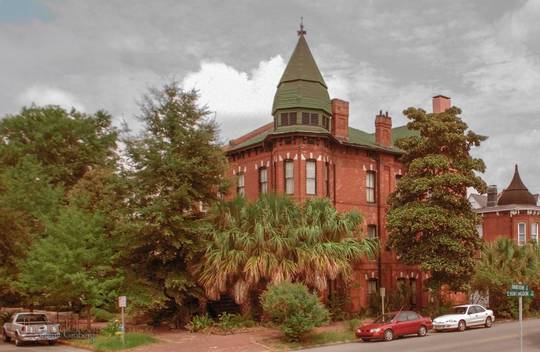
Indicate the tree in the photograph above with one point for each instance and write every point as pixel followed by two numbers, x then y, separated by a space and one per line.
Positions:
pixel 177 166
pixel 294 309
pixel 275 240
pixel 503 263
pixel 73 265
pixel 65 144
pixel 430 220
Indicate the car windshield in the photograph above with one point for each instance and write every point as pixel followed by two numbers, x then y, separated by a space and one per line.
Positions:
pixel 460 310
pixel 386 318
pixel 31 318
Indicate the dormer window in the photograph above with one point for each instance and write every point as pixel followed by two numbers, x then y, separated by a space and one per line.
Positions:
pixel 326 122
pixel 305 118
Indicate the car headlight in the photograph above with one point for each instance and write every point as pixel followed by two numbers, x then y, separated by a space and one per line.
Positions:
pixel 375 330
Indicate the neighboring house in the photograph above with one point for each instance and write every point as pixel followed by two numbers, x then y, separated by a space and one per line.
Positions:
pixel 309 150
pixel 514 213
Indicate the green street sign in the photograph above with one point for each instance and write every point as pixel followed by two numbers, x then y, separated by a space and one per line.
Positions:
pixel 514 293
pixel 519 287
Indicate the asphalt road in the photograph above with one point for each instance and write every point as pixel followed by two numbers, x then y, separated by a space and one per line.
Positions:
pixel 10 347
pixel 501 337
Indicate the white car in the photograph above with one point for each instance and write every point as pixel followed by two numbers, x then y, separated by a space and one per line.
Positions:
pixel 463 317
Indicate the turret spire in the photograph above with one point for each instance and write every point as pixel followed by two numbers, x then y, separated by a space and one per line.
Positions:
pixel 301 31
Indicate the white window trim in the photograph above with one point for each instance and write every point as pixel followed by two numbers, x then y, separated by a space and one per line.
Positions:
pixel 522 243
pixel 534 234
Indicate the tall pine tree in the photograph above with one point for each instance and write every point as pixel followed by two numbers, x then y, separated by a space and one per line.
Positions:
pixel 177 165
pixel 430 220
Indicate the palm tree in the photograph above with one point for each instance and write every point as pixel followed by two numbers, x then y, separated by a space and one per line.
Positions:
pixel 275 240
pixel 503 263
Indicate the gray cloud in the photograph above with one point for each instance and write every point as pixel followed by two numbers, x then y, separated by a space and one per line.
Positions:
pixel 378 54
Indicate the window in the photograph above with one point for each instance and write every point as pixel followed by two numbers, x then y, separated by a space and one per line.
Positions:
pixel 314 120
pixel 534 232
pixel 370 187
pixel 372 231
pixel 398 177
pixel 292 118
pixel 403 316
pixel 326 122
pixel 522 233
pixel 480 230
pixel 412 316
pixel 400 284
pixel 372 286
pixel 326 180
pixel 311 177
pixel 305 118
pixel 289 177
pixel 284 119
pixel 240 186
pixel 263 180
pixel 413 292
pixel 479 309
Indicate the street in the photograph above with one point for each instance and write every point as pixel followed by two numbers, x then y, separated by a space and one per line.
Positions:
pixel 9 347
pixel 502 337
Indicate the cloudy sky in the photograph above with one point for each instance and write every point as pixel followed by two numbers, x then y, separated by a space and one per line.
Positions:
pixel 377 54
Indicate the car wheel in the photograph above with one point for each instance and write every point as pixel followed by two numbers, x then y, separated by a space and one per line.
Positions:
pixel 388 335
pixel 461 325
pixel 489 322
pixel 18 341
pixel 365 340
pixel 422 331
pixel 5 336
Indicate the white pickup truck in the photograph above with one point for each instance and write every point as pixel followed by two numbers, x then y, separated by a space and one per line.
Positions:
pixel 30 327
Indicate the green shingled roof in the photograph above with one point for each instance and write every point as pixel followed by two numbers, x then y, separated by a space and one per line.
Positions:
pixel 302 85
pixel 356 137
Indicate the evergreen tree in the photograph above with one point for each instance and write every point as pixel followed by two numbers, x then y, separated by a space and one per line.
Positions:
pixel 176 167
pixel 430 220
pixel 73 265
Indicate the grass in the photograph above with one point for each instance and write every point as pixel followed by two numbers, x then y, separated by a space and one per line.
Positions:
pixel 313 339
pixel 114 343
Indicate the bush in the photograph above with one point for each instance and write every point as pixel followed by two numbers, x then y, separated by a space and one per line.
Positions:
pixel 5 317
pixel 112 328
pixel 294 309
pixel 200 323
pixel 353 324
pixel 101 315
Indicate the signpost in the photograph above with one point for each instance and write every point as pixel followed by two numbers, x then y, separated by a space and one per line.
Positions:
pixel 122 303
pixel 520 291
pixel 383 292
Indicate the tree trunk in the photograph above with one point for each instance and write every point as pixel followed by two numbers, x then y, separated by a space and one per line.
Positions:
pixel 89 318
pixel 203 303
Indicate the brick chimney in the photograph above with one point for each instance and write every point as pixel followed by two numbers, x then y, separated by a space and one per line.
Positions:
pixel 340 119
pixel 492 196
pixel 383 129
pixel 441 104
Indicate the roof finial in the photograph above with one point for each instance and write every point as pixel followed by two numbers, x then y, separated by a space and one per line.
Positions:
pixel 301 31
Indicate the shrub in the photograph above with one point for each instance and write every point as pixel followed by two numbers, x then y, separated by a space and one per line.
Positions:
pixel 101 315
pixel 112 328
pixel 200 323
pixel 294 309
pixel 353 324
pixel 5 317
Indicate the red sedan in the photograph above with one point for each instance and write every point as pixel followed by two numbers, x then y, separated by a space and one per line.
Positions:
pixel 391 325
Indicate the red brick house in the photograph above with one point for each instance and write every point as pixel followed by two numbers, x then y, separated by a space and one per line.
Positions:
pixel 514 213
pixel 310 150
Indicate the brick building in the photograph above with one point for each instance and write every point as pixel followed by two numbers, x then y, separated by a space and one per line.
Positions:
pixel 310 150
pixel 512 213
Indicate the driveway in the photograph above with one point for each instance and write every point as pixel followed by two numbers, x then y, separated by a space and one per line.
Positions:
pixel 6 347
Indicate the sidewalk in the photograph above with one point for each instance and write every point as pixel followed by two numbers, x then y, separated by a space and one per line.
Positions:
pixel 197 342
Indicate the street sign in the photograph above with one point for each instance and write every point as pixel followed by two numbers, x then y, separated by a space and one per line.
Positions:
pixel 122 302
pixel 519 287
pixel 383 291
pixel 512 293
pixel 520 291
